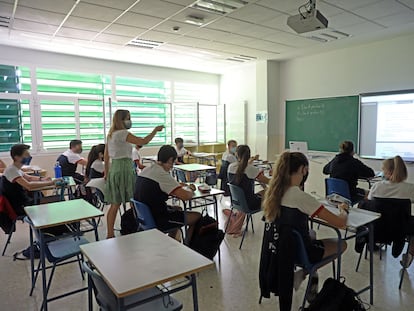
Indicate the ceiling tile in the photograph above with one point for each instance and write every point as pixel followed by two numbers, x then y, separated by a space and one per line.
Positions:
pixel 210 34
pixel 167 26
pixel 380 9
pixel 23 25
pixel 269 46
pixel 39 16
pixel 282 5
pixel 255 14
pixel 75 33
pixel 344 20
pixel 96 12
pixel 122 30
pixel 114 39
pixel 408 3
pixel 289 39
pixel 6 9
pixel 57 6
pixel 160 36
pixel 351 4
pixel 138 20
pixel 328 10
pixel 156 8
pixel 230 25
pixel 397 19
pixel 180 2
pixel 118 4
pixel 257 31
pixel 362 28
pixel 189 41
pixel 84 23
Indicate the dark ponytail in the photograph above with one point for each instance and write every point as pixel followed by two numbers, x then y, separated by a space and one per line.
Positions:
pixel 243 155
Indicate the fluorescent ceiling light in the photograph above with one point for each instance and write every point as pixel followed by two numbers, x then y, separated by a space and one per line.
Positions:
pixel 143 43
pixel 194 20
pixel 219 6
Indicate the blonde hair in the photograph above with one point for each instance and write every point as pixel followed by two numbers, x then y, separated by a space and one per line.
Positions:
pixel 118 121
pixel 288 163
pixel 397 169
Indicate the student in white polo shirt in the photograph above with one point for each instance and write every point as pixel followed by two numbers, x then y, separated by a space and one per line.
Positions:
pixel 70 159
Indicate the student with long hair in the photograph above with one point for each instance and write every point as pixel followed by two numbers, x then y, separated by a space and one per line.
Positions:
pixel 395 186
pixel 95 167
pixel 119 171
pixel 285 201
pixel 243 174
pixel 345 166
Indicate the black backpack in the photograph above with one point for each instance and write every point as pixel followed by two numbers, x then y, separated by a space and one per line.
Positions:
pixel 336 296
pixel 129 222
pixel 207 237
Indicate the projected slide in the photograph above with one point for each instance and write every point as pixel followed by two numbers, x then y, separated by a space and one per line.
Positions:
pixel 387 125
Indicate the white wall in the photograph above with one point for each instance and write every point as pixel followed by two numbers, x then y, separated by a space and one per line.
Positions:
pixel 34 58
pixel 379 66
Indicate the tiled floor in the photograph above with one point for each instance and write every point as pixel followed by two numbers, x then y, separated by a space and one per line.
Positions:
pixel 231 285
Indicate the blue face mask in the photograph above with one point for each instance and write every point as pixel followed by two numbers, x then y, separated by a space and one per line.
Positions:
pixel 26 160
pixel 233 150
pixel 127 124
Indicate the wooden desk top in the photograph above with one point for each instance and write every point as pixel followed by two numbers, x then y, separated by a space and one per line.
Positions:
pixel 194 167
pixel 59 213
pixel 134 262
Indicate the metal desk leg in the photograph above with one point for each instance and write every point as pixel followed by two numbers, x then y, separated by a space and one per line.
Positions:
pixel 90 307
pixel 216 217
pixel 194 287
pixel 43 267
pixel 371 262
pixel 185 223
pixel 339 259
pixel 32 272
pixel 120 304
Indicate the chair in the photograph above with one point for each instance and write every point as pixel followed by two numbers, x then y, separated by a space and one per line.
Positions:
pixel 391 228
pixel 145 219
pixel 223 176
pixel 58 250
pixel 338 186
pixel 107 300
pixel 302 260
pixel 239 202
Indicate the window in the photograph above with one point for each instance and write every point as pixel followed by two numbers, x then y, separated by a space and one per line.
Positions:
pixel 185 122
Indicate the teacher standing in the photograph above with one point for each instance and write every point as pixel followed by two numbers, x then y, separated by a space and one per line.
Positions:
pixel 119 171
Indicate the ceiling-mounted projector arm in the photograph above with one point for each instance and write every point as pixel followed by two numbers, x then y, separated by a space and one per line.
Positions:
pixel 310 7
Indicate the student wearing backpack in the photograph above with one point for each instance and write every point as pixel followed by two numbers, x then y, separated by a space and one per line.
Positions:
pixel 285 203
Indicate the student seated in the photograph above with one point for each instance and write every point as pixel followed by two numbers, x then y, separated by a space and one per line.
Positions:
pixel 230 154
pixel 181 151
pixel 15 183
pixel 285 203
pixel 395 186
pixel 345 166
pixel 70 159
pixel 2 166
pixel 136 157
pixel 95 166
pixel 155 185
pixel 243 174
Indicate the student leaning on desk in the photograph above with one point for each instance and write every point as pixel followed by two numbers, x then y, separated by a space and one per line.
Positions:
pixel 286 203
pixel 15 184
pixel 395 186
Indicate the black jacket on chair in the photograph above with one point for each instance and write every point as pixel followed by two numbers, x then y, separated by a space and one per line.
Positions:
pixel 393 226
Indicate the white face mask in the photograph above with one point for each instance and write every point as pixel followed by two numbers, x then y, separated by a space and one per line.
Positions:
pixel 127 124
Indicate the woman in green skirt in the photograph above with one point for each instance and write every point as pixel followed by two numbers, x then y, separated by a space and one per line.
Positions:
pixel 119 171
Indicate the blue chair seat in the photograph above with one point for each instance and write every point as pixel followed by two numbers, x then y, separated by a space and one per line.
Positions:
pixel 64 248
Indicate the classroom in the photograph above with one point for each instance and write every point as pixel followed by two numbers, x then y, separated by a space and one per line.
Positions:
pixel 233 80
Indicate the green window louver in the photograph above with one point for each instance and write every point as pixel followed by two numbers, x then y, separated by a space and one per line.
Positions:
pixel 143 89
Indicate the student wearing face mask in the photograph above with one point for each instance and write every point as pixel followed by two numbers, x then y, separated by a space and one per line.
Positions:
pixel 395 186
pixel 181 151
pixel 70 159
pixel 230 154
pixel 119 171
pixel 95 167
pixel 243 174
pixel 15 183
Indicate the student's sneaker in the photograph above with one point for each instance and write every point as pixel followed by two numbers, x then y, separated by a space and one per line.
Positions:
pixel 406 260
pixel 298 278
pixel 313 290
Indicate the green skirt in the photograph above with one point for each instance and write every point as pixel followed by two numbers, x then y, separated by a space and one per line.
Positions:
pixel 120 182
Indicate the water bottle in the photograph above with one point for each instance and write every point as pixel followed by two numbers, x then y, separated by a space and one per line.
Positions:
pixel 58 170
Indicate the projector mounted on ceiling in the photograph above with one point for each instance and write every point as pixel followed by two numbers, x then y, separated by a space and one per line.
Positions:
pixel 309 19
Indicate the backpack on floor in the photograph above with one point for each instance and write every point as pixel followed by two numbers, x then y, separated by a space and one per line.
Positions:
pixel 335 295
pixel 207 237
pixel 129 223
pixel 234 223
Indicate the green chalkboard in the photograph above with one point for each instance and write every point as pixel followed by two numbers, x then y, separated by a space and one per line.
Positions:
pixel 322 122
